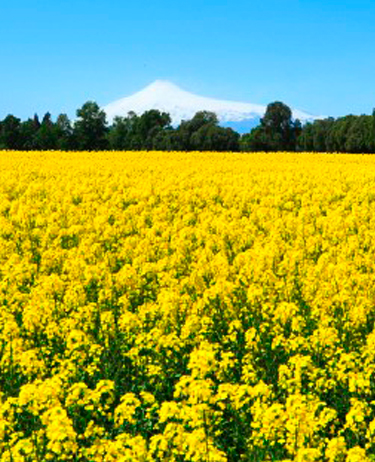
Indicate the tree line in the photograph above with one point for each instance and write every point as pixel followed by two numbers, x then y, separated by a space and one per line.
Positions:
pixel 153 130
pixel 90 131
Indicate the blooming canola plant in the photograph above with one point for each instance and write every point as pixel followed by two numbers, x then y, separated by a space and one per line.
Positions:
pixel 187 307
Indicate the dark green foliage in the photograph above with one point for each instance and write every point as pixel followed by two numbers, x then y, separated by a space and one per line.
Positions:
pixel 203 133
pixel 64 131
pixel 153 131
pixel 138 132
pixel 346 134
pixel 168 140
pixel 47 136
pixel 90 129
pixel 188 128
pixel 338 134
pixel 254 141
pixel 214 138
pixel 314 136
pixel 121 134
pixel 29 129
pixel 278 127
pixel 150 124
pixel 276 132
pixel 359 138
pixel 10 133
pixel 305 141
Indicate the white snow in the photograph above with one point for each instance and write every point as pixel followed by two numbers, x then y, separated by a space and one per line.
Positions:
pixel 182 105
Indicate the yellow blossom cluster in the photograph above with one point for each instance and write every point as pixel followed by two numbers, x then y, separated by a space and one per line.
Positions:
pixel 203 307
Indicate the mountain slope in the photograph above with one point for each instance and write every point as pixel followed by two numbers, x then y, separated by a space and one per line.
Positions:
pixel 182 105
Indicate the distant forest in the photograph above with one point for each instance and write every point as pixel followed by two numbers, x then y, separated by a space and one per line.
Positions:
pixel 152 130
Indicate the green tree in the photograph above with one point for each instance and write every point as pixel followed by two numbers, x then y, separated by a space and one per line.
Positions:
pixel 150 124
pixel 360 135
pixel 322 134
pixel 124 133
pixel 90 128
pixel 305 139
pixel 255 141
pixel 64 131
pixel 297 130
pixel 119 135
pixel 187 129
pixel 278 127
pixel 29 129
pixel 345 134
pixel 168 140
pixel 276 132
pixel 139 132
pixel 211 137
pixel 338 134
pixel 47 136
pixel 10 134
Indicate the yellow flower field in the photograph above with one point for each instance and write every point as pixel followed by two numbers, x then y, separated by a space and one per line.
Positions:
pixel 180 307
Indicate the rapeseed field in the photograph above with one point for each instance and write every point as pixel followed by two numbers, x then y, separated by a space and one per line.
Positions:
pixel 177 307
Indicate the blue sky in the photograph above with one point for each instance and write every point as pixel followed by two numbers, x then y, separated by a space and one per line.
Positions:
pixel 317 56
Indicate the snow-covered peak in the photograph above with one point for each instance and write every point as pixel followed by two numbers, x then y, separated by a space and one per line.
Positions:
pixel 183 105
pixel 162 86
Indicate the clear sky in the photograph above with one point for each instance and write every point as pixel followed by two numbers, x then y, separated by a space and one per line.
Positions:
pixel 314 55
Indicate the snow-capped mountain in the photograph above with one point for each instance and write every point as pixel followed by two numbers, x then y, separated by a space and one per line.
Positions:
pixel 182 105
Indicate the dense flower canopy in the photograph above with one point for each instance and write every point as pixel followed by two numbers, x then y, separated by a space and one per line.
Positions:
pixel 187 307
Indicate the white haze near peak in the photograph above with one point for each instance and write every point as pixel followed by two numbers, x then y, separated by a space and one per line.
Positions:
pixel 182 105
